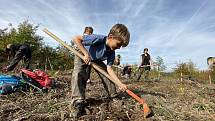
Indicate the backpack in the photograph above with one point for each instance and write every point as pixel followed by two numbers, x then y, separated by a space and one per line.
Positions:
pixel 9 84
pixel 39 77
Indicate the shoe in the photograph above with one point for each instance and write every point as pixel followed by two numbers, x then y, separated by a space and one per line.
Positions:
pixel 78 109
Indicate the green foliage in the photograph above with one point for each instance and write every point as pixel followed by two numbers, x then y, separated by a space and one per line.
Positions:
pixel 43 57
pixel 64 57
pixel 187 69
pixel 25 33
pixel 203 76
pixel 212 73
pixel 160 63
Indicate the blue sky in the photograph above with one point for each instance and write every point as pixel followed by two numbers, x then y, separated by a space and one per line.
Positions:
pixel 176 30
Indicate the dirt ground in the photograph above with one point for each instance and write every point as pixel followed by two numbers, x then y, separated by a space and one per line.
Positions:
pixel 169 100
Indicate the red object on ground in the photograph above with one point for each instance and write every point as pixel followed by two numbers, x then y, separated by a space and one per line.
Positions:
pixel 41 77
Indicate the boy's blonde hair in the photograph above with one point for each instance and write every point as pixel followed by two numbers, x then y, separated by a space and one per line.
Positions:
pixel 120 31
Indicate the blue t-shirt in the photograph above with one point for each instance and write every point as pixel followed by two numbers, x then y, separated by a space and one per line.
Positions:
pixel 99 51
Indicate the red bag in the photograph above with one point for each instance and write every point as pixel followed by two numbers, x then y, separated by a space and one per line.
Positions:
pixel 41 77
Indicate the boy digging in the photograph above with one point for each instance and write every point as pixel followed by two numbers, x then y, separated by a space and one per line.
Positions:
pixel 96 48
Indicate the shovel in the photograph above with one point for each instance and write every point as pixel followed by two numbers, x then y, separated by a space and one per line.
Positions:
pixel 146 109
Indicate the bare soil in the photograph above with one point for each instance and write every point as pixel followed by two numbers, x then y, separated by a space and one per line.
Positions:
pixel 169 100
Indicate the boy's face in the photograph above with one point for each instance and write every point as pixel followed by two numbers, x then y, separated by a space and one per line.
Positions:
pixel 115 43
pixel 88 33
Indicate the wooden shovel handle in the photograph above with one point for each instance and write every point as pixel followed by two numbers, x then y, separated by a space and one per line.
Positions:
pixel 146 109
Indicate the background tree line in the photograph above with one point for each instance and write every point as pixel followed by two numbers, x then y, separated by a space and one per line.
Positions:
pixel 46 57
pixel 43 57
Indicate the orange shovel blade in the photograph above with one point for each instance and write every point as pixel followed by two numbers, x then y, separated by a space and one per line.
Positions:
pixel 146 109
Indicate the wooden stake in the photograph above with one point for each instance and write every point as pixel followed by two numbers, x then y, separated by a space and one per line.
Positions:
pixel 209 78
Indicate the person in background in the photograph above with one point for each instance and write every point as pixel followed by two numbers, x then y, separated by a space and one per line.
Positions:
pixel 117 65
pixel 144 65
pixel 88 31
pixel 18 52
pixel 126 72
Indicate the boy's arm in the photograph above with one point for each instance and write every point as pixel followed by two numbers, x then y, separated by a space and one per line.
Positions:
pixel 78 41
pixel 122 86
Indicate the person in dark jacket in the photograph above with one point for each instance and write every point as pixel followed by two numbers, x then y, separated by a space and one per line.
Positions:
pixel 18 52
pixel 116 64
pixel 145 65
pixel 126 72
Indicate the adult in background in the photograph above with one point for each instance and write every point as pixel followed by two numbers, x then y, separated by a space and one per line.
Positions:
pixel 18 52
pixel 144 65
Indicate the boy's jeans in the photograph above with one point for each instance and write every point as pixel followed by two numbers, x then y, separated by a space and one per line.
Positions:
pixel 80 76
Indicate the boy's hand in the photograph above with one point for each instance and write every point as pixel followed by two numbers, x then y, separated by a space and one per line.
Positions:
pixel 87 58
pixel 122 87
